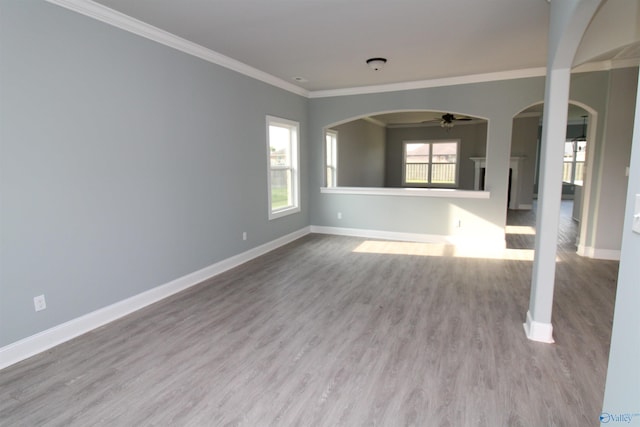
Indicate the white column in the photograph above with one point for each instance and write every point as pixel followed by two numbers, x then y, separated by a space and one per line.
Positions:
pixel 568 22
pixel 554 127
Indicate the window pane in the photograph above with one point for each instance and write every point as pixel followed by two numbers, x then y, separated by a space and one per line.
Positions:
pixel 331 138
pixel 567 171
pixel 279 145
pixel 282 153
pixel 582 151
pixel 579 173
pixel 568 151
pixel 431 162
pixel 444 159
pixel 417 163
pixel 280 188
pixel 445 152
pixel 417 153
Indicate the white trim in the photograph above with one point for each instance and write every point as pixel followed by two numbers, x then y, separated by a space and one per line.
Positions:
pixel 294 150
pixel 595 253
pixel 408 192
pixel 42 341
pixel 127 23
pixel 430 163
pixel 375 121
pixel 585 251
pixel 424 84
pixel 117 19
pixel 497 243
pixel 608 65
pixel 538 331
pixel 525 207
pixel 333 163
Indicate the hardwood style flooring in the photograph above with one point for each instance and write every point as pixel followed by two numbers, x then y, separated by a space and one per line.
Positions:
pixel 339 331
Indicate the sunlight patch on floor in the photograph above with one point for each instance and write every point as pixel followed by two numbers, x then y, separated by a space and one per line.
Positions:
pixel 442 250
pixel 520 229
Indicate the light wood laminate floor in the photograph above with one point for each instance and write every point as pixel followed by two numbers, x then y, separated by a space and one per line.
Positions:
pixel 339 331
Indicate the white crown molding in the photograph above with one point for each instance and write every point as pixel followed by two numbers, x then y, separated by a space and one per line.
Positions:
pixel 117 19
pixel 30 346
pixel 424 84
pixel 375 122
pixel 608 65
pixel 528 115
pixel 125 22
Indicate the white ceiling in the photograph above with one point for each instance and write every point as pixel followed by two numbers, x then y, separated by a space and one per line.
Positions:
pixel 327 42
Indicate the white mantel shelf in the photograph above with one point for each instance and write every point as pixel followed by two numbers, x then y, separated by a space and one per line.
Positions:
pixel 408 192
pixel 516 170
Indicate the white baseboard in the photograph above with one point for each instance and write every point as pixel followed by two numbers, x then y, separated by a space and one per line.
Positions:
pixel 42 341
pixel 595 253
pixel 496 243
pixel 538 331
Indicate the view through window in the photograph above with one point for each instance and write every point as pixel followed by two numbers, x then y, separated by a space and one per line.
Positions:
pixel 431 163
pixel 331 139
pixel 574 159
pixel 282 140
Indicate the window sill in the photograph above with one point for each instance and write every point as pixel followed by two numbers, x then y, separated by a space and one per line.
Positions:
pixel 283 212
pixel 410 192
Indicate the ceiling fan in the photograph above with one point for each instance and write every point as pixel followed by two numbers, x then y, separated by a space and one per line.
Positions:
pixel 447 119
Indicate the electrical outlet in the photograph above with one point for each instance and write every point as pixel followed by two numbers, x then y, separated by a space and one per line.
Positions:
pixel 339 215
pixel 39 303
pixel 244 235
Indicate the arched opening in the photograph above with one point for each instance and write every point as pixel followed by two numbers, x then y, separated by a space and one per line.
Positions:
pixel 577 173
pixel 423 149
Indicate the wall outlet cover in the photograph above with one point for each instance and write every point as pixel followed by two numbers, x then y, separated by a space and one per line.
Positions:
pixel 39 303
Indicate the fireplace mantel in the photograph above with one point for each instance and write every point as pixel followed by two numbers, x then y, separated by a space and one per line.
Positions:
pixel 516 169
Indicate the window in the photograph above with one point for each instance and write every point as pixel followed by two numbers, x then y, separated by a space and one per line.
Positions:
pixel 284 181
pixel 331 139
pixel 574 157
pixel 431 163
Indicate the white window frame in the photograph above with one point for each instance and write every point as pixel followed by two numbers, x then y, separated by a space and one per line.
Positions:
pixel 331 157
pixel 575 178
pixel 294 147
pixel 431 143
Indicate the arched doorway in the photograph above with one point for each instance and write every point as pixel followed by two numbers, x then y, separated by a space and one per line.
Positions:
pixel 578 170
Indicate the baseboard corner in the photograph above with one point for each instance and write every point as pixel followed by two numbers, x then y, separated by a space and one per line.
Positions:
pixel 538 331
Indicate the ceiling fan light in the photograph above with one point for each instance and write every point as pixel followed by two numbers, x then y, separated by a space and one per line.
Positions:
pixel 446 124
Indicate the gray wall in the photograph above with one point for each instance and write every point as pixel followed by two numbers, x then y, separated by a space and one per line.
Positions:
pixel 623 376
pixel 124 165
pixel 591 90
pixel 120 163
pixel 498 102
pixel 473 143
pixel 361 151
pixel 615 155
pixel 524 143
